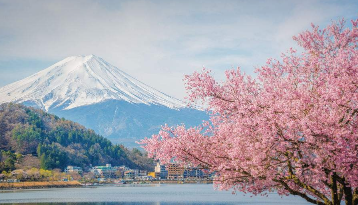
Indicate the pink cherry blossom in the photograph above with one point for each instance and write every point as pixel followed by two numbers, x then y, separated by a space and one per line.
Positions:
pixel 293 129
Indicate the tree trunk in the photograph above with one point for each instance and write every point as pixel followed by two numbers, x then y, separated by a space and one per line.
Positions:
pixel 355 196
pixel 348 196
pixel 334 190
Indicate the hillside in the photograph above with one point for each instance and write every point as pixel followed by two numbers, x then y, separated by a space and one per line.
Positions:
pixel 56 142
pixel 124 123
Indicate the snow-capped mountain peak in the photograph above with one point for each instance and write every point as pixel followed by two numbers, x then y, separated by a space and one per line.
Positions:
pixel 83 80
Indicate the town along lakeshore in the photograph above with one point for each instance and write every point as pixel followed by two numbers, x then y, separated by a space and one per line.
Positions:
pixel 169 174
pixel 74 176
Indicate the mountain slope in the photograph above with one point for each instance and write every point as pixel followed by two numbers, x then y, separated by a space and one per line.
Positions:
pixel 58 142
pixel 83 80
pixel 125 123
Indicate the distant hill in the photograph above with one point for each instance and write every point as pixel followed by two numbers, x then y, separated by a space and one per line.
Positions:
pixel 57 142
pixel 124 123
pixel 100 96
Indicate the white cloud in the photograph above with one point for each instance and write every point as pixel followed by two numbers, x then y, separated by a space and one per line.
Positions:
pixel 158 42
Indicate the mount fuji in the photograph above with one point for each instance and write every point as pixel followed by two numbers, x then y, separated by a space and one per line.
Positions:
pixel 98 95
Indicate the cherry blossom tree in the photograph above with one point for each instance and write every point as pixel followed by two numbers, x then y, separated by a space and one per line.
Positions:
pixel 292 129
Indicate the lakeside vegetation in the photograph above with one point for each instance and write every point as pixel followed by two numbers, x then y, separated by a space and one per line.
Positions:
pixel 34 185
pixel 35 175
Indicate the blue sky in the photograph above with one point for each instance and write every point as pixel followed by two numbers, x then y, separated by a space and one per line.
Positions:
pixel 157 42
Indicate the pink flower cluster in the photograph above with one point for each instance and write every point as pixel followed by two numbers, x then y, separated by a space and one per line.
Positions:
pixel 292 129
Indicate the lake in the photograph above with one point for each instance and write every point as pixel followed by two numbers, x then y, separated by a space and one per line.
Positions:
pixel 162 194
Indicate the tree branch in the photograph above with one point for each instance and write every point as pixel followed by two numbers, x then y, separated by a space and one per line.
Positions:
pixel 297 193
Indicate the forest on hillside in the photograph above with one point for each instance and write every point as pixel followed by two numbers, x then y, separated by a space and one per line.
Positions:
pixel 33 138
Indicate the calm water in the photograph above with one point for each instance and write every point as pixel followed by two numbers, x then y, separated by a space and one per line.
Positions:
pixel 182 194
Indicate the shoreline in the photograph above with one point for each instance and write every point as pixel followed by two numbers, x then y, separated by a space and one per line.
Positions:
pixel 39 185
pixel 181 182
pixel 73 184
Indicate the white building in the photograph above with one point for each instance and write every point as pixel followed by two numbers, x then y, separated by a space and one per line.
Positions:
pixel 162 170
pixel 73 169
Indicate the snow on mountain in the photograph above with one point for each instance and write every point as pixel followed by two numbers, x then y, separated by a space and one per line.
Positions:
pixel 90 91
pixel 83 80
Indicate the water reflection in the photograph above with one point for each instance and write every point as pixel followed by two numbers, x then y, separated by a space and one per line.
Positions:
pixel 164 194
